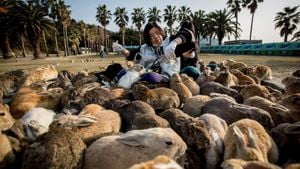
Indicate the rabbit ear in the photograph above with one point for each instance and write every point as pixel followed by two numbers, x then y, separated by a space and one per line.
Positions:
pixel 240 140
pixel 180 121
pixel 293 129
pixel 6 107
pixel 281 110
pixel 253 139
pixel 133 138
pixel 242 109
pixel 85 120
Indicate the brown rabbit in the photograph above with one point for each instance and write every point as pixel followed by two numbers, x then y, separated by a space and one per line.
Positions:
pixel 248 140
pixel 233 64
pixel 279 113
pixel 6 120
pixel 292 102
pixel 159 98
pixel 191 84
pixel 256 90
pixel 178 86
pixel 227 79
pixel 292 84
pixel 262 72
pixel 41 73
pixel 22 103
pixel 243 79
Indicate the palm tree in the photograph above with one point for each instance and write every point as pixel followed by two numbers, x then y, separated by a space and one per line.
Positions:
pixel 18 25
pixel 199 19
pixel 65 19
pixel 235 8
pixel 209 29
pixel 170 16
pixel 121 20
pixel 184 14
pixel 296 36
pixel 83 28
pixel 5 28
pixel 54 14
pixel 223 24
pixel 75 36
pixel 93 37
pixel 103 16
pixel 153 15
pixel 34 19
pixel 287 21
pixel 252 6
pixel 138 18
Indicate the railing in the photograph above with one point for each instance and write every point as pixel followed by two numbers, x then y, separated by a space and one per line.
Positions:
pixel 282 49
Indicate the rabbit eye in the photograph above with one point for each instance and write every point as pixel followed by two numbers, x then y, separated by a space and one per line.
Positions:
pixel 2 114
pixel 169 143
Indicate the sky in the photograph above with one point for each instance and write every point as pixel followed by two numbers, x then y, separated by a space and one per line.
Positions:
pixel 263 26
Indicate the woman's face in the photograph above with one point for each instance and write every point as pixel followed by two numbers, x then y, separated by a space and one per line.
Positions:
pixel 155 37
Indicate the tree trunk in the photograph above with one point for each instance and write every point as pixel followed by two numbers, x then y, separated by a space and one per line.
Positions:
pixel 45 44
pixel 198 41
pixel 56 45
pixel 170 30
pixel 140 35
pixel 6 49
pixel 104 38
pixel 37 49
pixel 65 41
pixel 220 41
pixel 78 49
pixel 123 36
pixel 251 27
pixel 236 25
pixel 23 46
pixel 84 38
pixel 286 35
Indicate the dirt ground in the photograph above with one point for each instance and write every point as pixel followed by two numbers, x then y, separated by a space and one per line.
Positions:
pixel 281 65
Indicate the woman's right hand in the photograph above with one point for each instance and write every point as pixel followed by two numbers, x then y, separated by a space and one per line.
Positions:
pixel 117 47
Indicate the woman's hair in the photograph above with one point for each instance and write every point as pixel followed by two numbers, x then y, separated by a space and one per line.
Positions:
pixel 147 29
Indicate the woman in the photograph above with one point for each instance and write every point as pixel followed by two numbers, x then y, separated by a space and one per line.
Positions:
pixel 158 54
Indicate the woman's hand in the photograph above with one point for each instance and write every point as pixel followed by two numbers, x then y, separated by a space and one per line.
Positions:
pixel 117 47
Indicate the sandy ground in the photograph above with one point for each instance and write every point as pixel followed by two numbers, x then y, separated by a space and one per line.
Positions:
pixel 281 66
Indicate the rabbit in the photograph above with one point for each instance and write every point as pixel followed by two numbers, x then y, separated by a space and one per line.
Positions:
pixel 246 139
pixel 132 75
pixel 292 84
pixel 262 72
pixel 180 88
pixel 159 98
pixel 256 90
pixel 190 84
pixel 232 64
pixel 243 79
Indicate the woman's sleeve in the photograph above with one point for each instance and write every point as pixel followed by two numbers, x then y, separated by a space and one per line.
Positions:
pixel 186 35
